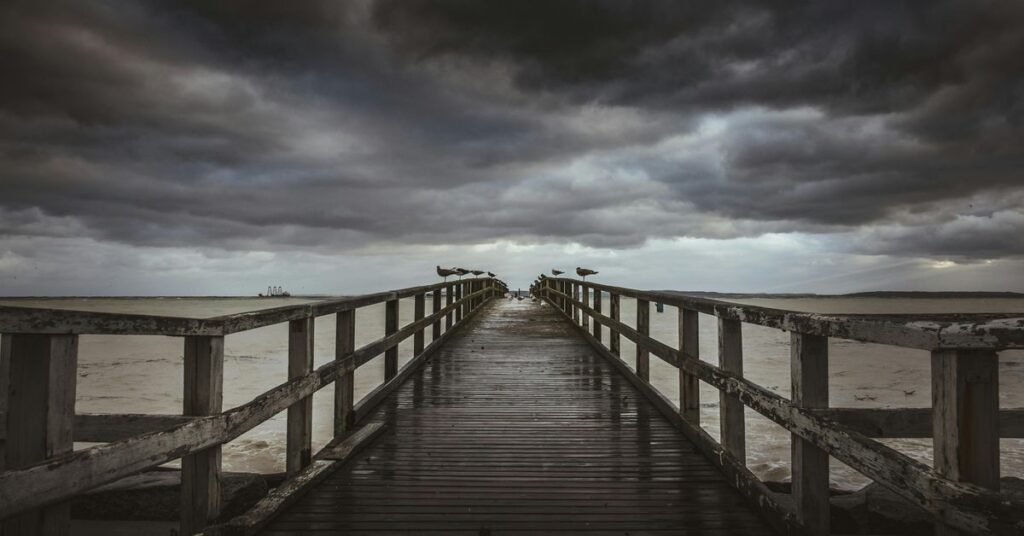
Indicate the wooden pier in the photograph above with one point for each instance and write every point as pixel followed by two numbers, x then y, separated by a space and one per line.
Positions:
pixel 514 417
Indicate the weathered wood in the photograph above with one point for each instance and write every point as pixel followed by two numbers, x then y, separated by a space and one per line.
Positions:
pixel 204 395
pixel 419 309
pixel 778 511
pixel 614 338
pixel 449 299
pixel 40 379
pixel 299 441
pixel 730 360
pixel 344 386
pixel 372 399
pixel 910 422
pixel 689 348
pixel 435 328
pixel 585 298
pixel 107 427
pixel 332 457
pixel 597 307
pixel 965 401
pixel 458 299
pixel 928 332
pixel 54 481
pixel 966 506
pixel 809 376
pixel 576 300
pixel 390 327
pixel 643 327
pixel 476 450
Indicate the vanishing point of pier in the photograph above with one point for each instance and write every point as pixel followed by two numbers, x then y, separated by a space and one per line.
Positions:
pixel 515 417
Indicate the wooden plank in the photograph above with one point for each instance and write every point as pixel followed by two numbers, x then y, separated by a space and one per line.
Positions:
pixel 809 376
pixel 910 422
pixel 40 385
pixel 435 331
pixel 515 425
pixel 54 481
pixel 585 298
pixel 643 327
pixel 459 309
pixel 597 307
pixel 965 401
pixel 614 338
pixel 299 441
pixel 449 299
pixel 344 386
pixel 927 332
pixel 576 300
pixel 689 348
pixel 204 395
pixel 390 327
pixel 419 309
pixel 965 506
pixel 330 459
pixel 107 427
pixel 730 360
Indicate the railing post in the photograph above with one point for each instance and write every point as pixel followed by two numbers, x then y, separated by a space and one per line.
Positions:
pixel 730 359
pixel 643 326
pixel 435 328
pixel 458 298
pixel 614 337
pixel 585 298
pixel 449 298
pixel 390 327
pixel 809 378
pixel 597 309
pixel 418 310
pixel 576 298
pixel 344 386
pixel 204 395
pixel 300 414
pixel 965 412
pixel 689 347
pixel 39 375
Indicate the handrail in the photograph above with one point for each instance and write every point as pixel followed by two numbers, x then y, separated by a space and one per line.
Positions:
pixel 998 331
pixel 953 501
pixel 39 320
pixel 56 478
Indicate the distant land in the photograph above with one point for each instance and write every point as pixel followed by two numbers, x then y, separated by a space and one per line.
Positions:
pixel 871 294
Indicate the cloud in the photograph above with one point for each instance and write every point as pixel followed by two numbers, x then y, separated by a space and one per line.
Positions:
pixel 327 127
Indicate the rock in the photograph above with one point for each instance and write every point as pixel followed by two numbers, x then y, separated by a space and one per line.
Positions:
pixel 156 496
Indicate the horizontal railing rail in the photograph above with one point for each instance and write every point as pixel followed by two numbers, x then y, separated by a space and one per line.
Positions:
pixel 960 492
pixel 47 478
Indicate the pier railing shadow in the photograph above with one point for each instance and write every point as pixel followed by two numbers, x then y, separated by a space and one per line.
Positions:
pixel 38 361
pixel 961 491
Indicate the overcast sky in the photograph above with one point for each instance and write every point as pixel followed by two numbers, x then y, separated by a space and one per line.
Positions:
pixel 339 147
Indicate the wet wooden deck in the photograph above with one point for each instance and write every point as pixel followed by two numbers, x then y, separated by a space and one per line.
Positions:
pixel 517 426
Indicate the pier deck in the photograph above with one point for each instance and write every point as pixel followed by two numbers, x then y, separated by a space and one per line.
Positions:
pixel 517 425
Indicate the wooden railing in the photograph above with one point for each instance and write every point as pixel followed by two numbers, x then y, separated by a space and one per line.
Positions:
pixel 961 491
pixel 41 471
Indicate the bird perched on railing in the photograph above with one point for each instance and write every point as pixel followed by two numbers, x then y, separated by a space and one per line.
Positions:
pixel 490 274
pixel 476 272
pixel 445 272
pixel 542 276
pixel 556 272
pixel 583 272
pixel 460 272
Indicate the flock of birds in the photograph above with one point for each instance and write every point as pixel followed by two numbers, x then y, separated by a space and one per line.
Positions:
pixel 446 272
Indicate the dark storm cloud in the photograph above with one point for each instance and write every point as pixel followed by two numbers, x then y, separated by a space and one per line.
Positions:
pixel 328 125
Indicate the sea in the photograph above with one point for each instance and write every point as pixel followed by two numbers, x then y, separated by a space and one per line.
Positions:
pixel 143 374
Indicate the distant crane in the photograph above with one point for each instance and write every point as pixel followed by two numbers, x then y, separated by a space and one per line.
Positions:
pixel 584 272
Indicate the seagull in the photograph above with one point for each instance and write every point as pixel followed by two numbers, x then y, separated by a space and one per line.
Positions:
pixel 490 274
pixel 583 272
pixel 556 272
pixel 445 272
pixel 476 272
pixel 460 272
